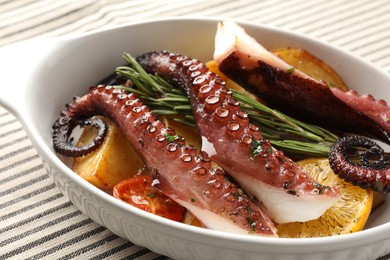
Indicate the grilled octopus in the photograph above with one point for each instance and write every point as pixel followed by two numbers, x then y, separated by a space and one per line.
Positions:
pixel 180 171
pixel 243 59
pixel 235 144
pixel 287 193
pixel 284 192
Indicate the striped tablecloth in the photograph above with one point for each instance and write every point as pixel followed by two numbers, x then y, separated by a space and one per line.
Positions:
pixel 36 220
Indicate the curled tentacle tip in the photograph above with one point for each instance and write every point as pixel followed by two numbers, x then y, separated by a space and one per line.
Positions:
pixel 373 170
pixel 62 140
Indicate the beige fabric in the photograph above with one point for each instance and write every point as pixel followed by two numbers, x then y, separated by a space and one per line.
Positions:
pixel 36 221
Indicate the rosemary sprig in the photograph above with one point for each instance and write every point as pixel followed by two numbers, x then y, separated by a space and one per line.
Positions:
pixel 277 120
pixel 294 137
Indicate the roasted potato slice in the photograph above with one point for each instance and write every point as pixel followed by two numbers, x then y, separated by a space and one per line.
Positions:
pixel 311 65
pixel 114 161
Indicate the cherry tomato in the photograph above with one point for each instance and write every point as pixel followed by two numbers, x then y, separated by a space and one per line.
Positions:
pixel 139 192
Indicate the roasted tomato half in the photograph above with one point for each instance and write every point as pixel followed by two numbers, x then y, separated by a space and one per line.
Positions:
pixel 139 192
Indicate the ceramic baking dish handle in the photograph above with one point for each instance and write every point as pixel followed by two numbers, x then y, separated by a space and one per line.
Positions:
pixel 17 63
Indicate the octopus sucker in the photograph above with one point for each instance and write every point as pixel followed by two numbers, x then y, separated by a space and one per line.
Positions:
pixel 237 146
pixel 180 171
pixel 366 174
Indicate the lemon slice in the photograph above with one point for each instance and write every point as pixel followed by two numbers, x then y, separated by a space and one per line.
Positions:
pixel 348 215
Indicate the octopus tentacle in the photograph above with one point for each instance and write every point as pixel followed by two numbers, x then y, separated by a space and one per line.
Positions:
pixel 375 109
pixel 244 60
pixel 237 145
pixel 62 130
pixel 374 175
pixel 180 171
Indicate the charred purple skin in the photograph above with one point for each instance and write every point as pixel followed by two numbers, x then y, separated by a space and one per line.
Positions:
pixel 63 128
pixel 367 174
pixel 302 98
pixel 180 171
